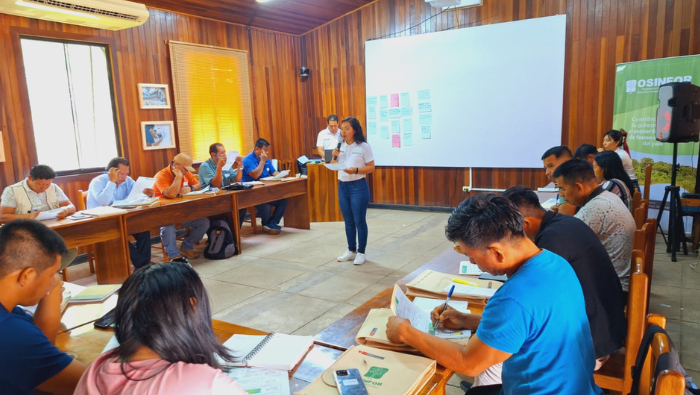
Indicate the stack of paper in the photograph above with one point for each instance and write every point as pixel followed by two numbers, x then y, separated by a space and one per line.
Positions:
pixel 432 284
pixel 384 372
pixel 50 214
pixel 206 191
pixel 136 196
pixel 278 177
pixel 95 293
pixel 103 211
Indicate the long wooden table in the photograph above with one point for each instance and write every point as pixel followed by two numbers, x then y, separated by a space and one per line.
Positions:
pixel 110 234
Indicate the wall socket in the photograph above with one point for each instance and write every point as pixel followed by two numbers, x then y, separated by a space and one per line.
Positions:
pixel 466 189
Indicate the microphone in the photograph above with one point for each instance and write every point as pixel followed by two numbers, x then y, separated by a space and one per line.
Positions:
pixel 340 142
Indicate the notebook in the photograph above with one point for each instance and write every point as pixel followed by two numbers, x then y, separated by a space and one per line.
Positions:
pixel 436 285
pixel 103 211
pixel 274 351
pixel 384 372
pixel 95 293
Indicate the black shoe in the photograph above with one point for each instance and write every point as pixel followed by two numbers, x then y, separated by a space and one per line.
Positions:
pixel 465 385
pixel 181 259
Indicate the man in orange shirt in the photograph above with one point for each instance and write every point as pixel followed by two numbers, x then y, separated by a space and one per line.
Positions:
pixel 171 182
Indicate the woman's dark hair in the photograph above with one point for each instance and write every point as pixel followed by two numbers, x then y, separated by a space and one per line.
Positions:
pixel 612 167
pixel 620 137
pixel 485 219
pixel 357 128
pixel 165 307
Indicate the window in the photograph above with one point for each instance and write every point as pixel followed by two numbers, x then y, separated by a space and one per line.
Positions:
pixel 71 103
pixel 212 98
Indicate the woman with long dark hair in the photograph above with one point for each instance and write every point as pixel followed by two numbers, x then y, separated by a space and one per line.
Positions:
pixel 353 191
pixel 608 169
pixel 166 341
pixel 616 141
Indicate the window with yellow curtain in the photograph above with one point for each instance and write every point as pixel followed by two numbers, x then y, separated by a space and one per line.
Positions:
pixel 212 98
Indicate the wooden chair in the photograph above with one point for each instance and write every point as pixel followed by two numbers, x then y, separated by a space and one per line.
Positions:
pixel 647 181
pixel 286 164
pixel 636 201
pixel 253 219
pixel 641 213
pixel 616 374
pixel 647 375
pixel 645 240
pixel 90 249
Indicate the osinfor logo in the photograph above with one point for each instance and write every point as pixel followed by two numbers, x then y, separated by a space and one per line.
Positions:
pixel 632 85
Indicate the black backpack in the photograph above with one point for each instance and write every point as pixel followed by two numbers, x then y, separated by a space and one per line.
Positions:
pixel 220 243
pixel 668 360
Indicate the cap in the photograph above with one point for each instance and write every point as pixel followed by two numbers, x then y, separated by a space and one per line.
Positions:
pixel 68 258
pixel 184 160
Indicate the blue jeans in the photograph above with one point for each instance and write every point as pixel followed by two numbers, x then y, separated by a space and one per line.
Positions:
pixel 198 228
pixel 271 220
pixel 353 197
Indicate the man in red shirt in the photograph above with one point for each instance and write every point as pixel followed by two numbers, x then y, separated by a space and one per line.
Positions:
pixel 171 182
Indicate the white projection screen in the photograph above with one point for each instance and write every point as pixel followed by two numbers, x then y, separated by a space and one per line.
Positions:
pixel 486 96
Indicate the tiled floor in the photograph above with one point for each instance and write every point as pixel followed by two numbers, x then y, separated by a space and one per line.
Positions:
pixel 292 283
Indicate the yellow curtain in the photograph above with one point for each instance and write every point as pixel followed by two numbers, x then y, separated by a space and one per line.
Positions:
pixel 212 98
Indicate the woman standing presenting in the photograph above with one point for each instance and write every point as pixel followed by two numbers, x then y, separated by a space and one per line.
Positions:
pixel 353 191
pixel 616 140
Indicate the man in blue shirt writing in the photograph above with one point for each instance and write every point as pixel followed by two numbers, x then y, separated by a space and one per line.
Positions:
pixel 30 257
pixel 257 166
pixel 535 323
pixel 115 185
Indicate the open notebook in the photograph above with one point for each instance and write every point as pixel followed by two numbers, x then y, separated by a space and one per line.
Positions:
pixel 274 351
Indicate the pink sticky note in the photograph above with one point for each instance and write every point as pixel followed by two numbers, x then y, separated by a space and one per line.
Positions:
pixel 395 141
pixel 394 100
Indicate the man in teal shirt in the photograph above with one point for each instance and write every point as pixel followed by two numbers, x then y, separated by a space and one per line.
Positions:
pixel 212 173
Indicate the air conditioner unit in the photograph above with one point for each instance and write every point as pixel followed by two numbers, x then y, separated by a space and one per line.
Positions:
pixel 100 14
pixel 444 4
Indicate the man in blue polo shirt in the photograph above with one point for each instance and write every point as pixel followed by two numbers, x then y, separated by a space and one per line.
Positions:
pixel 30 257
pixel 257 166
pixel 535 323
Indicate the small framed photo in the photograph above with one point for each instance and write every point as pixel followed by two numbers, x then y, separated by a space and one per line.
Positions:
pixel 154 96
pixel 158 134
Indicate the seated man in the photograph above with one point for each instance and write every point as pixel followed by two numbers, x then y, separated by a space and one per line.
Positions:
pixel 171 182
pixel 602 211
pixel 574 241
pixel 257 166
pixel 34 194
pixel 543 341
pixel 586 152
pixel 212 173
pixel 30 257
pixel 328 137
pixel 551 159
pixel 115 185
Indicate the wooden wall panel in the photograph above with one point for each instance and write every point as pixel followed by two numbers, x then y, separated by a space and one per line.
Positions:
pixel 599 34
pixel 141 55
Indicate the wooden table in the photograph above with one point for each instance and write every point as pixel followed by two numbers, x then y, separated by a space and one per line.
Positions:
pixel 86 343
pixel 323 194
pixel 109 238
pixel 342 333
pixel 297 213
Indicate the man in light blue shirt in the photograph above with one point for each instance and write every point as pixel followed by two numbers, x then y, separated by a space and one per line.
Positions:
pixel 212 173
pixel 114 185
pixel 257 166
pixel 535 323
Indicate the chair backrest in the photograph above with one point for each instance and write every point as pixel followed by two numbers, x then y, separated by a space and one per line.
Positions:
pixel 647 180
pixel 636 317
pixel 286 164
pixel 82 202
pixel 641 214
pixel 670 382
pixel 636 200
pixel 649 229
pixel 645 379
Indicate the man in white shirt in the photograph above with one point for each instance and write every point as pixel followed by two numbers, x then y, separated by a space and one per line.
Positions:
pixel 36 193
pixel 602 211
pixel 328 137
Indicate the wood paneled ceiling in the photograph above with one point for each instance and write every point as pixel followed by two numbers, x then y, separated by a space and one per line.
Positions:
pixel 288 16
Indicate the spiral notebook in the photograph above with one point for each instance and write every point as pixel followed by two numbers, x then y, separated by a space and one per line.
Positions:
pixel 274 351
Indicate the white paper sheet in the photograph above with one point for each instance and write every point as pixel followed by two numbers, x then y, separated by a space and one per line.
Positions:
pixel 336 166
pixel 470 290
pixel 136 194
pixel 469 269
pixel 427 304
pixel 261 381
pixel 420 319
pixel 303 159
pixel 51 214
pixel 230 158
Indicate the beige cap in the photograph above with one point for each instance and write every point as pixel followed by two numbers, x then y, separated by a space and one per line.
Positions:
pixel 68 257
pixel 184 160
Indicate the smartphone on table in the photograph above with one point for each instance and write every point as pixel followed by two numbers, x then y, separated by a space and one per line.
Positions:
pixel 349 382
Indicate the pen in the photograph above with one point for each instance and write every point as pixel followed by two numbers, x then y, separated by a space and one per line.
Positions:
pixel 460 281
pixel 449 295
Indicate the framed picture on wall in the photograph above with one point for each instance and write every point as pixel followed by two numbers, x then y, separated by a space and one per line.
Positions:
pixel 158 134
pixel 154 96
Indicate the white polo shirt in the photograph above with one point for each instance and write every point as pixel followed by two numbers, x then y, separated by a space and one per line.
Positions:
pixel 327 140
pixel 355 155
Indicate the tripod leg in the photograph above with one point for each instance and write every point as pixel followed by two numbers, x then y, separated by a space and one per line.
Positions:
pixel 680 224
pixel 658 221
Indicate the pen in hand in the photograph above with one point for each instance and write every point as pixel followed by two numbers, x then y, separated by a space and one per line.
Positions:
pixel 449 295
